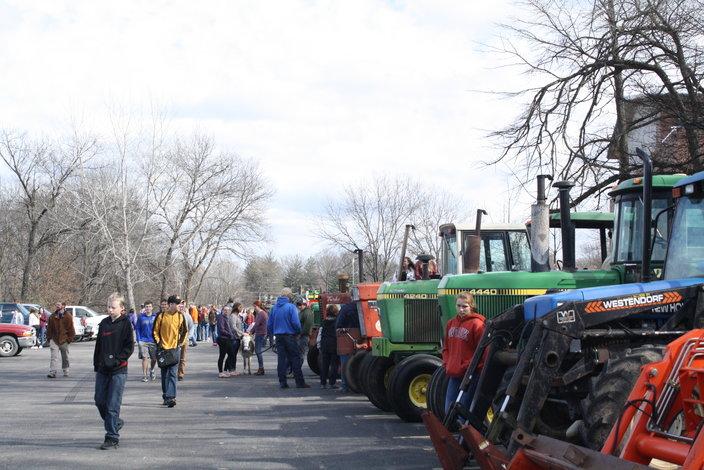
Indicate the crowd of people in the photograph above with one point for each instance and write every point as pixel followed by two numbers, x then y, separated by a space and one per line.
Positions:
pixel 162 339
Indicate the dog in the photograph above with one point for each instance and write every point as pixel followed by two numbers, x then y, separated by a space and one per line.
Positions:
pixel 246 350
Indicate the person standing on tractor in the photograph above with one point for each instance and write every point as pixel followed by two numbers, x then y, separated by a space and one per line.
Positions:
pixel 408 273
pixel 462 335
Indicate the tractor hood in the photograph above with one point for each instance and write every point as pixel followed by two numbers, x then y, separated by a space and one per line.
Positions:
pixel 539 306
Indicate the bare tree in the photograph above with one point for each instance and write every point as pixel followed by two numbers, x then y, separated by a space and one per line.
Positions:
pixel 437 207
pixel 116 199
pixel 372 216
pixel 589 59
pixel 329 264
pixel 42 170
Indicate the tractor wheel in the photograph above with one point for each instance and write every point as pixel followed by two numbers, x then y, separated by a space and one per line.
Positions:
pixel 351 371
pixel 377 372
pixel 363 372
pixel 313 359
pixel 409 383
pixel 607 398
pixel 436 393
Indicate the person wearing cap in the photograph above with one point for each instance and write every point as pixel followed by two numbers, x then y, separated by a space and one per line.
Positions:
pixel 169 333
pixel 286 326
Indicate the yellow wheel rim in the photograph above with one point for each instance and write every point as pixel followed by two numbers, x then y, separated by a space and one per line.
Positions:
pixel 417 389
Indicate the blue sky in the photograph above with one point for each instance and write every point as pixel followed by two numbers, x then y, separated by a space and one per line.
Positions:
pixel 319 92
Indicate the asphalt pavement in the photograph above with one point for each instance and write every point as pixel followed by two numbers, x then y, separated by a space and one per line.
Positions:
pixel 240 422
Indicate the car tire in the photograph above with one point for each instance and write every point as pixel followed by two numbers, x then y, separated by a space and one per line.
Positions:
pixel 8 346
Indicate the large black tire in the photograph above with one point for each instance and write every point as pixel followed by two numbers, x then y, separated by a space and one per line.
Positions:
pixel 375 373
pixel 608 396
pixel 436 393
pixel 351 371
pixel 409 383
pixel 8 346
pixel 313 359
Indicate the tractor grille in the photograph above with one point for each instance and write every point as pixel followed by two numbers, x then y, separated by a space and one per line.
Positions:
pixel 421 322
pixel 492 305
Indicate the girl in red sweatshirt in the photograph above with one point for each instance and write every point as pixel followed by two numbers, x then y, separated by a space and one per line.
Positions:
pixel 462 335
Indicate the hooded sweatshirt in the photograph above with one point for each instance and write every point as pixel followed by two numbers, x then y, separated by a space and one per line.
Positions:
pixel 462 335
pixel 283 318
pixel 113 346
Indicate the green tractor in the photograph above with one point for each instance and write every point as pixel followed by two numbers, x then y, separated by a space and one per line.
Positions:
pixel 410 368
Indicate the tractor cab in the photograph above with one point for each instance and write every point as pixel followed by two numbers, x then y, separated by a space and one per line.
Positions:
pixel 627 252
pixel 685 251
pixel 503 248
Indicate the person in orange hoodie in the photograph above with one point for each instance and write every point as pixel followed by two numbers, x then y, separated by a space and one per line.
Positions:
pixel 462 335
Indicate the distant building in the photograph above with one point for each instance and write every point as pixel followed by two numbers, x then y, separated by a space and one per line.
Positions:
pixel 650 123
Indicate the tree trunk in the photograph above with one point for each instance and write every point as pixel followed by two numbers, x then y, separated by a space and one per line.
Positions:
pixel 24 291
pixel 129 287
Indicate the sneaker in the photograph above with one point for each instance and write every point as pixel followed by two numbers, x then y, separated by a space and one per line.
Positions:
pixel 283 386
pixel 223 375
pixel 234 373
pixel 323 386
pixel 303 386
pixel 41 347
pixel 152 376
pixel 109 444
pixel 171 403
pixel 51 375
pixel 145 379
pixel 66 373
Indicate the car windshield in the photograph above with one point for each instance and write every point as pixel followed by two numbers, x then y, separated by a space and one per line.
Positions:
pixel 685 253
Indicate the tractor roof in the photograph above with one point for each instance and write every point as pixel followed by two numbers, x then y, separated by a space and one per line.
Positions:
pixel 659 182
pixel 691 179
pixel 468 226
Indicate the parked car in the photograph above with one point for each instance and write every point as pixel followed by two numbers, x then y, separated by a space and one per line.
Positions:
pixel 90 318
pixel 8 309
pixel 78 326
pixel 14 338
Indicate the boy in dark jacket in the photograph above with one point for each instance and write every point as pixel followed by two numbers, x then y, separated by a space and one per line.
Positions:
pixel 327 345
pixel 113 347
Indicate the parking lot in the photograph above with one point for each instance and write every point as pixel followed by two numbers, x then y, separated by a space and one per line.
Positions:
pixel 240 422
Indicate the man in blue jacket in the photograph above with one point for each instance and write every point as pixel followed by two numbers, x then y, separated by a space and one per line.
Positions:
pixel 145 342
pixel 286 326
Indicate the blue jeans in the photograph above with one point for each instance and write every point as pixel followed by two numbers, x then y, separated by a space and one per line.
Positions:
pixel 453 388
pixel 259 343
pixel 41 335
pixel 108 399
pixel 343 361
pixel 288 352
pixel 169 378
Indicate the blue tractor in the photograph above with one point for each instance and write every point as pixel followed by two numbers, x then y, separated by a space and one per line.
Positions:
pixel 563 364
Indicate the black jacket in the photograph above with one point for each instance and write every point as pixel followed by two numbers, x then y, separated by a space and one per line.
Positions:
pixel 328 337
pixel 114 346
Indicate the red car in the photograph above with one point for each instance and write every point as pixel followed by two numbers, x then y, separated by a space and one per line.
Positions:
pixel 13 338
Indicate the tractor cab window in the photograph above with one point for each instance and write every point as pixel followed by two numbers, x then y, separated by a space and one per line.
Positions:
pixel 449 253
pixel 520 251
pixel 628 217
pixel 685 254
pixel 492 253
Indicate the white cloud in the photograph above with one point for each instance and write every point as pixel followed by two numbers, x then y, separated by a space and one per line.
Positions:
pixel 320 92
